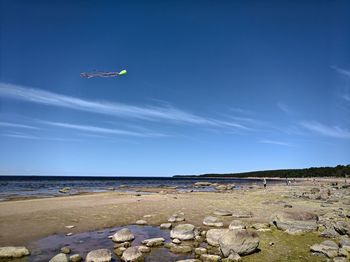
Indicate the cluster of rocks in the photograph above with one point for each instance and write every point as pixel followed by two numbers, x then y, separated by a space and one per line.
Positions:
pixel 217 186
pixel 330 249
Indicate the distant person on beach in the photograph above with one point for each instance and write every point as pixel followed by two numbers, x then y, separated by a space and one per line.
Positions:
pixel 264 183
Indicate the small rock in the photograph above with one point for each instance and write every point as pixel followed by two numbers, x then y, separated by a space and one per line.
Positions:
pixel 69 234
pixel 165 226
pixel 123 244
pixel 13 252
pixel 141 222
pixel 210 258
pixel 69 227
pixel 123 235
pixel 233 257
pixel 65 250
pixel 119 251
pixel 75 258
pixel 99 255
pixel 242 214
pixel 176 241
pixel 147 216
pixel 132 254
pixel 236 224
pixel 60 258
pixel 212 221
pixel 154 242
pixel 183 232
pixel 221 212
pixel 144 249
pixel 200 250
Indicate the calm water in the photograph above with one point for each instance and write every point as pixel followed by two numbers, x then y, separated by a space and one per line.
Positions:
pixel 45 186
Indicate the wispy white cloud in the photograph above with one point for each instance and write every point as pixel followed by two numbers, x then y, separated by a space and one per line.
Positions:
pixel 286 109
pixel 15 125
pixel 153 113
pixel 101 130
pixel 273 142
pixel 21 136
pixel 326 130
pixel 341 71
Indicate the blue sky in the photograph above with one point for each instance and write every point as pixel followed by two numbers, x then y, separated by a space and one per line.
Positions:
pixel 212 86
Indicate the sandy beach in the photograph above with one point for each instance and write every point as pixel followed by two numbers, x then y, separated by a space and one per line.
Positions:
pixel 24 221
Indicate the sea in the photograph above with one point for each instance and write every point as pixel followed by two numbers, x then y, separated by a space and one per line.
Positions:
pixel 18 187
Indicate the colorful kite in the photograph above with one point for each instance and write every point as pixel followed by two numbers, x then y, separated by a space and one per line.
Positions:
pixel 103 74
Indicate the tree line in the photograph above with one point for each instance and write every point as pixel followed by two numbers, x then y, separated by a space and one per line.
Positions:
pixel 337 171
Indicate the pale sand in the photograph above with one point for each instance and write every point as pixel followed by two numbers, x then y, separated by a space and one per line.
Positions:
pixel 27 220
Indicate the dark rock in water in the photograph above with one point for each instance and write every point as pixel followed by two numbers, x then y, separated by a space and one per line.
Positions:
pixel 295 222
pixel 99 255
pixel 183 232
pixel 242 242
pixel 328 248
pixel 64 190
pixel 123 235
pixel 13 252
pixel 288 206
pixel 154 242
pixel 65 250
pixel 75 258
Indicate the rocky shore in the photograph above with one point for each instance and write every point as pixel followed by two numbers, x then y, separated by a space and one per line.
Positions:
pixel 305 221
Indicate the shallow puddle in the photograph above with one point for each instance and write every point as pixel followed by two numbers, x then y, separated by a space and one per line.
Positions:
pixel 44 249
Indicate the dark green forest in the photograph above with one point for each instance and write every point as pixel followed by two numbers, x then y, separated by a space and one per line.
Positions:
pixel 338 171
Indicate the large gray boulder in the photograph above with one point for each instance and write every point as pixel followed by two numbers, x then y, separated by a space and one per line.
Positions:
pixel 213 235
pixel 60 258
pixel 345 243
pixel 295 222
pixel 133 254
pixel 123 235
pixel 328 248
pixel 342 227
pixel 242 242
pixel 13 252
pixel 183 232
pixel 99 255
